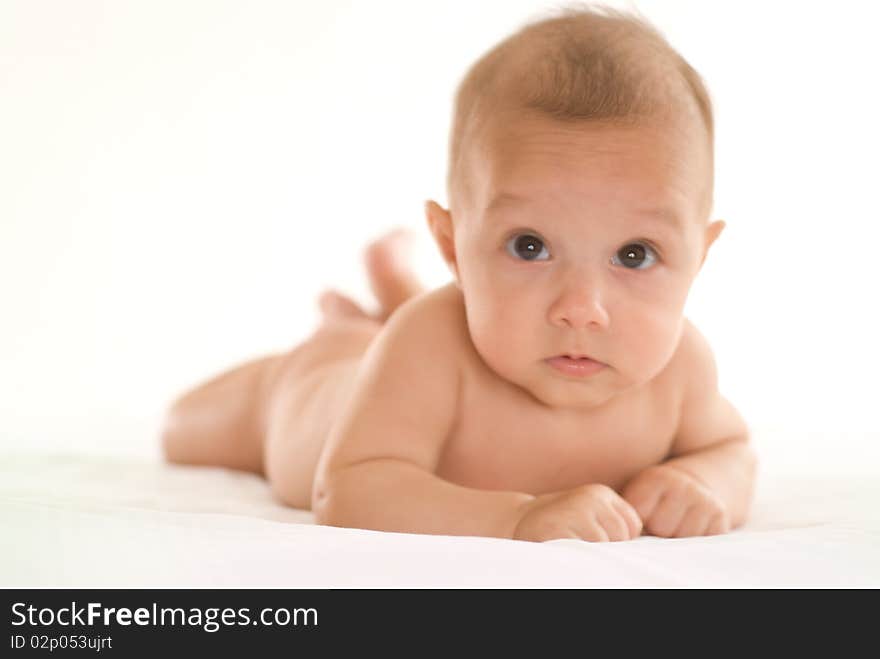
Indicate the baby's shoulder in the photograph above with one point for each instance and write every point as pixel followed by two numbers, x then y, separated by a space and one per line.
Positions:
pixel 435 319
pixel 423 338
pixel 694 347
pixel 692 363
pixel 414 361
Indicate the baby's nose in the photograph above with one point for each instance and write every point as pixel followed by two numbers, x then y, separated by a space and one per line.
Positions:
pixel 580 306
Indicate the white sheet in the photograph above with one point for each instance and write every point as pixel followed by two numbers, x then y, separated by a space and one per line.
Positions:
pixel 86 519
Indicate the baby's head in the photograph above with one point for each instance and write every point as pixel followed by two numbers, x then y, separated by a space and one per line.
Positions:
pixel 580 186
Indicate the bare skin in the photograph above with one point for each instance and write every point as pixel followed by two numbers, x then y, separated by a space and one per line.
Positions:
pixel 440 414
pixel 293 398
pixel 243 417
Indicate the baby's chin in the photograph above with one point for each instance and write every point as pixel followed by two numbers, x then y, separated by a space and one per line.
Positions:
pixel 574 396
pixel 573 393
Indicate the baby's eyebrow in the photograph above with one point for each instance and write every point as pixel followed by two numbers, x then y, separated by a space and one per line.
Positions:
pixel 505 198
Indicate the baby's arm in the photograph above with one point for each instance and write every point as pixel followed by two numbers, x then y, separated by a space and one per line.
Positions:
pixel 378 468
pixel 707 483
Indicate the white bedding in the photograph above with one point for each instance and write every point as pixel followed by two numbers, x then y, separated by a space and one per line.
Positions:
pixel 73 518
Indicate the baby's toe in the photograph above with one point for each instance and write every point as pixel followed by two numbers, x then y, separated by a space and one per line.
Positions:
pixel 336 305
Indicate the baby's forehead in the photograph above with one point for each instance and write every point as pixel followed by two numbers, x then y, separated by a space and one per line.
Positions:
pixel 567 155
pixel 514 131
pixel 656 162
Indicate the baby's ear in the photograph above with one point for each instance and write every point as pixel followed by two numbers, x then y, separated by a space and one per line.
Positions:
pixel 440 224
pixel 712 232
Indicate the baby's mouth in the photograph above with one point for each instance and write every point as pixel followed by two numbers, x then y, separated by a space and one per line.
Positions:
pixel 576 364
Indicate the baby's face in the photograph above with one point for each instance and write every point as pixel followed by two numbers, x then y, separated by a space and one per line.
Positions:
pixel 581 239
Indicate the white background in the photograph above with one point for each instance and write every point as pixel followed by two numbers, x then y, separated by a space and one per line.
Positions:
pixel 179 179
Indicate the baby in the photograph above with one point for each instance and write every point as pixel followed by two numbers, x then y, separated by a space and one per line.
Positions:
pixel 554 389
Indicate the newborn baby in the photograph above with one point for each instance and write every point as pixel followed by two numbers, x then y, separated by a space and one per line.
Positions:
pixel 554 389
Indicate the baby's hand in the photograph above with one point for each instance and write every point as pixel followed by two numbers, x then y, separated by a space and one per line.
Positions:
pixel 674 504
pixel 590 512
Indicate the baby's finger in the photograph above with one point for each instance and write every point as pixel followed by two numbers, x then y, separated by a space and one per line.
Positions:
pixel 561 534
pixel 695 522
pixel 643 495
pixel 592 531
pixel 666 516
pixel 718 524
pixel 630 517
pixel 614 524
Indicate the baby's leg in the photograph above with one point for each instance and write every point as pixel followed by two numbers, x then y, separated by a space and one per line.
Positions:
pixel 271 415
pixel 218 423
pixel 224 421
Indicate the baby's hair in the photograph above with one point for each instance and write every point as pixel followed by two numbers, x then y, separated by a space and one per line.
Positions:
pixel 583 62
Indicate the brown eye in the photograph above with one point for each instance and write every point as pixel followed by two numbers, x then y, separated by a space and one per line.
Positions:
pixel 526 247
pixel 635 255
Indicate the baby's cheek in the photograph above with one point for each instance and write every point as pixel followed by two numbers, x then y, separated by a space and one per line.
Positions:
pixel 498 336
pixel 649 347
pixel 502 342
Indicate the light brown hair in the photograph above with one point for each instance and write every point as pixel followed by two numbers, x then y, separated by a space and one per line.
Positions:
pixel 584 62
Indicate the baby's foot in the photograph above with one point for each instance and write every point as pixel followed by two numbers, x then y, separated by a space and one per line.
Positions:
pixel 388 262
pixel 336 306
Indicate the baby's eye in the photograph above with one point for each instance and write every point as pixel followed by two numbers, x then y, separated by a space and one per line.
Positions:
pixel 635 255
pixel 527 247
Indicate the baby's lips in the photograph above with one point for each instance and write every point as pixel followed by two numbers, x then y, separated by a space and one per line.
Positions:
pixel 576 355
pixel 577 367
